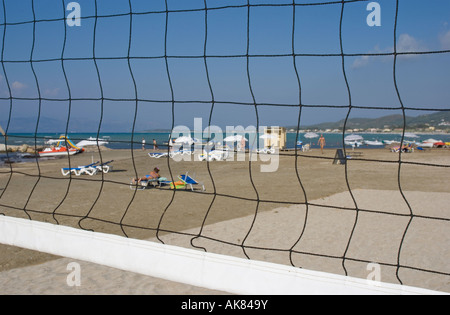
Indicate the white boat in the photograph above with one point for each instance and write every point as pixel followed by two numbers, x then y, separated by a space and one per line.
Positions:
pixel 425 144
pixel 91 142
pixel 433 141
pixel 373 142
pixel 58 151
pixel 60 147
pixel 388 142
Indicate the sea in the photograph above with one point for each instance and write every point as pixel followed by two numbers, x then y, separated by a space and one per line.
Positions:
pixel 134 140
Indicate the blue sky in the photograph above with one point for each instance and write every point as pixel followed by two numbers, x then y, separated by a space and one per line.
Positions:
pixel 423 80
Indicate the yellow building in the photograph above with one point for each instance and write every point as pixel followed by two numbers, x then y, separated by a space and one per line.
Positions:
pixel 274 137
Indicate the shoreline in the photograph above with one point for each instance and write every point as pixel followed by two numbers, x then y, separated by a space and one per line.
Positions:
pixel 238 192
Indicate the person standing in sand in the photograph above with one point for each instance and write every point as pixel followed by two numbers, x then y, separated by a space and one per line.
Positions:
pixel 143 144
pixel 321 142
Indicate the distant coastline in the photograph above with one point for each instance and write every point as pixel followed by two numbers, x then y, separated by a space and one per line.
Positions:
pixel 430 123
pixel 438 122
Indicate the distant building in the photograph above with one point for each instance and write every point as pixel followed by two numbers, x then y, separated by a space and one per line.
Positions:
pixel 275 137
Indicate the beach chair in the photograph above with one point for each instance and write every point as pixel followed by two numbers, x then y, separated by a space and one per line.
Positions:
pixel 405 149
pixel 90 169
pixel 184 182
pixel 143 184
pixel 181 152
pixel 157 155
pixel 105 167
pixel 215 155
pixel 269 150
pixel 190 182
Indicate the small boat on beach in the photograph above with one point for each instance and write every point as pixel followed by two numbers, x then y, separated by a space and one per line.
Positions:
pixel 430 143
pixel 60 147
pixel 58 151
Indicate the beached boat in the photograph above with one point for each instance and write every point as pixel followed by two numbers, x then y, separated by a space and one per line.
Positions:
pixel 60 147
pixel 431 143
pixel 439 144
pixel 425 144
pixel 58 151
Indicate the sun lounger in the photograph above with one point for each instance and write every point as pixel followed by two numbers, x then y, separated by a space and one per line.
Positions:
pixel 185 181
pixel 157 155
pixel 105 167
pixel 90 169
pixel 143 184
pixel 191 182
pixel 405 149
pixel 181 152
pixel 215 155
pixel 266 151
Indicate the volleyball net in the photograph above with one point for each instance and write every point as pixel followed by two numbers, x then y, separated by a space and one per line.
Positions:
pixel 139 65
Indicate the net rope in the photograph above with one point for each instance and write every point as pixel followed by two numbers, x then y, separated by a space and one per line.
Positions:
pixel 137 101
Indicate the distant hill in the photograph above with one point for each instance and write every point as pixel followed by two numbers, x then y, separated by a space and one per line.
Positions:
pixel 391 121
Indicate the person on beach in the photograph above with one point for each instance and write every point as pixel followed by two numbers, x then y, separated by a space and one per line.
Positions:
pixel 143 144
pixel 155 145
pixel 321 142
pixel 153 175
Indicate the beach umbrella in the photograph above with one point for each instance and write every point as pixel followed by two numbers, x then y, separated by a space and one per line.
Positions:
pixel 184 139
pixel 353 138
pixel 311 135
pixel 234 138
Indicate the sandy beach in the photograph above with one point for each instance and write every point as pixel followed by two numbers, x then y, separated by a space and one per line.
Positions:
pixel 309 213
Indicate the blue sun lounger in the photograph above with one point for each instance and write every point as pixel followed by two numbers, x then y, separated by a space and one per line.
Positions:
pixel 189 181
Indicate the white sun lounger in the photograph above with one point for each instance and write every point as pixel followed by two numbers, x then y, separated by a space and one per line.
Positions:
pixel 90 169
pixel 105 167
pixel 157 155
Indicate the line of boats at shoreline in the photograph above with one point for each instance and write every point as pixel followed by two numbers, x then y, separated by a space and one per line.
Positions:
pixel 64 146
pixel 358 141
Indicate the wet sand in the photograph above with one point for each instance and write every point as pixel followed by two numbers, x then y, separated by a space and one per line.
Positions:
pixel 304 214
